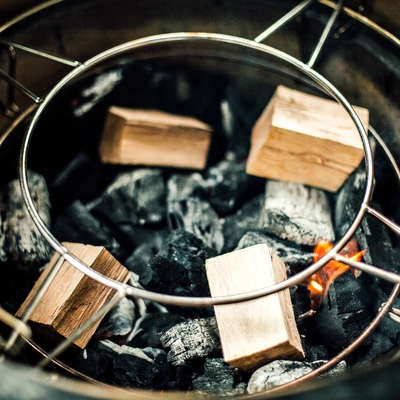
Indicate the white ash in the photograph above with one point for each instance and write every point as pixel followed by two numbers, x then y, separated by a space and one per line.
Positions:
pixel 279 372
pixel 103 84
pixel 289 253
pixel 199 218
pixel 26 246
pixel 182 186
pixel 191 339
pixel 296 212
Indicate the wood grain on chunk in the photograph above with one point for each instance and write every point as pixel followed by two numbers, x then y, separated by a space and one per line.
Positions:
pixel 307 139
pixel 257 331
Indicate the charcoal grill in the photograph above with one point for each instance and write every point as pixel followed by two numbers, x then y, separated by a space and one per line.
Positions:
pixel 220 46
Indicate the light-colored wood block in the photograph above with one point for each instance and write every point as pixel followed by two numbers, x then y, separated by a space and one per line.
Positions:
pixel 73 297
pixel 258 331
pixel 306 139
pixel 150 137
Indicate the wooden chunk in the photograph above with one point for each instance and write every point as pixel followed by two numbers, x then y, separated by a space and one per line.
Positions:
pixel 257 331
pixel 306 139
pixel 149 137
pixel 73 297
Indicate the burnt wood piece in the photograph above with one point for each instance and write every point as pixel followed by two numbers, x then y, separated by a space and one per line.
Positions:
pixel 279 372
pixel 298 213
pixel 290 253
pixel 125 366
pixel 118 322
pixel 378 252
pixel 229 186
pixel 25 245
pixel 198 217
pixel 191 340
pixel 179 269
pixel 241 106
pixel 149 329
pixel 306 139
pixel 135 197
pixel 83 178
pixel 73 297
pixel 348 200
pixel 246 219
pixel 219 379
pixel 157 138
pixel 138 260
pixel 256 331
pixel 77 224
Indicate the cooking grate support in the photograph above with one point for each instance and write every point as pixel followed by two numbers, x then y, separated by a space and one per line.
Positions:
pixel 309 75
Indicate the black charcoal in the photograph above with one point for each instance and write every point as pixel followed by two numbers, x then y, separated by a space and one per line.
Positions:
pixel 83 178
pixel 118 322
pixel 77 224
pixel 377 347
pixel 199 218
pixel 246 219
pixel 179 269
pixel 138 260
pixel 219 379
pixel 348 200
pixel 296 212
pixel 192 339
pixel 353 301
pixel 135 197
pixel 26 246
pixel 325 327
pixel 378 252
pixel 240 109
pixel 149 328
pixel 129 367
pixel 290 253
pixel 314 352
pixel 228 186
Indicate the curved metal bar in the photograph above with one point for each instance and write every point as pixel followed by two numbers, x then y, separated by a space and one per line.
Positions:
pixel 28 13
pixel 389 223
pixel 41 53
pixel 387 152
pixel 325 34
pixel 370 269
pixel 20 87
pixel 348 350
pixel 365 21
pixel 205 37
pixel 293 13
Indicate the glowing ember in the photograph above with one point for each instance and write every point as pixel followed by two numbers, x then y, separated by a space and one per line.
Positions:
pixel 318 284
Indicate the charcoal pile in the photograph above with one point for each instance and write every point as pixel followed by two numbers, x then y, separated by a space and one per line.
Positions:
pixel 164 223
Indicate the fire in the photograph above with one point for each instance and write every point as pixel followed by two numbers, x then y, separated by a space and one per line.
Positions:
pixel 318 284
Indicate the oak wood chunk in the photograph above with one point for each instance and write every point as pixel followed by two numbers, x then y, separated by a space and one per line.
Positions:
pixel 73 297
pixel 157 138
pixel 306 139
pixel 258 331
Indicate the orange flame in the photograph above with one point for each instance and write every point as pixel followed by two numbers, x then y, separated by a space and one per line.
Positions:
pixel 318 284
